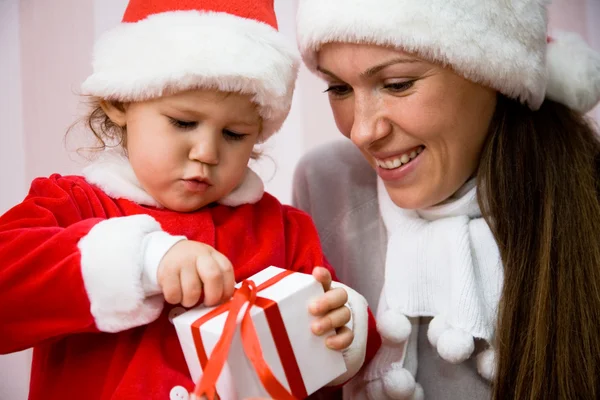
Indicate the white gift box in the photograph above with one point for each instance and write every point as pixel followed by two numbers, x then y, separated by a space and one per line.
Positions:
pixel 317 364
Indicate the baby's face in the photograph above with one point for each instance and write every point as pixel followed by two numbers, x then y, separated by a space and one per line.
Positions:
pixel 192 148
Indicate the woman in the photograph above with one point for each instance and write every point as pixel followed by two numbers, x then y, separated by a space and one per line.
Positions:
pixel 475 199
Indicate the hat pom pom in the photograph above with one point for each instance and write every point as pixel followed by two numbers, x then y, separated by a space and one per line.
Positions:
pixel 394 326
pixel 573 72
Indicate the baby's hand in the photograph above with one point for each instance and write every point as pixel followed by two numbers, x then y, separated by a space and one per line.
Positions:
pixel 190 268
pixel 332 312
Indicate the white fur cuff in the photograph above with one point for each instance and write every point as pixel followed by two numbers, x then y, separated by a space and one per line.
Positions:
pixel 111 265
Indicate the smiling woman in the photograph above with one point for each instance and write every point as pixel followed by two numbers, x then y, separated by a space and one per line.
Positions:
pixel 475 199
pixel 385 105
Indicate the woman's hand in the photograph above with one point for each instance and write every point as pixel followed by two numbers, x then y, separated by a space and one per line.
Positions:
pixel 192 269
pixel 331 312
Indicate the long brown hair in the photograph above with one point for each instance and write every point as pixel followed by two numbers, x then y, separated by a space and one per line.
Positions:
pixel 539 192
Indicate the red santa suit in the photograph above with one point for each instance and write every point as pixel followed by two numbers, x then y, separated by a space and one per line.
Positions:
pixel 78 282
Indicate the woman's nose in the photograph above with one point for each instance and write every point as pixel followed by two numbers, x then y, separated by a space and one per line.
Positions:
pixel 368 125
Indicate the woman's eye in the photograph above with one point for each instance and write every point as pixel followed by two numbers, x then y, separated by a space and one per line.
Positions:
pixel 338 90
pixel 399 86
pixel 230 135
pixel 185 125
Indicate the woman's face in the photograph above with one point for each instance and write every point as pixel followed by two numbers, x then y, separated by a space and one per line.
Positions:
pixel 421 126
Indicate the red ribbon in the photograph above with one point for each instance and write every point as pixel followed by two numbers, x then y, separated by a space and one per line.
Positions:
pixel 211 368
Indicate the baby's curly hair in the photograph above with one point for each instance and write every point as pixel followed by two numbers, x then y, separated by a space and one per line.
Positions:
pixel 107 133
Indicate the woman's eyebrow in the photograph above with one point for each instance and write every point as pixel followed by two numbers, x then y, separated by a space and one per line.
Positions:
pixel 375 69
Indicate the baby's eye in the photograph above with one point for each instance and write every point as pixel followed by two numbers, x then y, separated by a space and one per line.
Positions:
pixel 185 125
pixel 231 135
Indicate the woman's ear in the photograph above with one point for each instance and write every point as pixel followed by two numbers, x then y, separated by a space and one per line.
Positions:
pixel 115 111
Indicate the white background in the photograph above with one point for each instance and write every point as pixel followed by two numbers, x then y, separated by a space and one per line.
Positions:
pixel 45 53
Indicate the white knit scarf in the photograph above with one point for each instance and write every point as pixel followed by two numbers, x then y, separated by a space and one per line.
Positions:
pixel 441 262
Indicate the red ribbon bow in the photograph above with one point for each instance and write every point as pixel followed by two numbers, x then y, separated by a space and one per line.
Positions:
pixel 211 368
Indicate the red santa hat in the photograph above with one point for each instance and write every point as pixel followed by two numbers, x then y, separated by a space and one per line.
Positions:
pixel 501 44
pixel 165 46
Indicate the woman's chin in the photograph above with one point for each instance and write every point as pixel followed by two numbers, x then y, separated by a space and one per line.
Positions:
pixel 408 198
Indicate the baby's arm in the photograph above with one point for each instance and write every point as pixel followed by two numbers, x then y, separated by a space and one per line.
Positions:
pixel 66 267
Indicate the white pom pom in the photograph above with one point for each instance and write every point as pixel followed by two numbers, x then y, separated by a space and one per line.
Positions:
pixel 455 345
pixel 419 394
pixel 394 326
pixel 399 384
pixel 437 326
pixel 486 364
pixel 573 72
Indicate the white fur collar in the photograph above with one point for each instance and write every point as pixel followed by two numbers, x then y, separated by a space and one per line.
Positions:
pixel 113 173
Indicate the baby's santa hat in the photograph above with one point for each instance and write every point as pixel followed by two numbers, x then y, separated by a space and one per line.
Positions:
pixel 166 46
pixel 498 43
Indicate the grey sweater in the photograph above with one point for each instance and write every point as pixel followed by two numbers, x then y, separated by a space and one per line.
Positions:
pixel 338 188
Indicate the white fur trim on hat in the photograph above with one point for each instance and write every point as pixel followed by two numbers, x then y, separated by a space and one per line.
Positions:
pixel 181 50
pixel 498 43
pixel 573 72
pixel 112 259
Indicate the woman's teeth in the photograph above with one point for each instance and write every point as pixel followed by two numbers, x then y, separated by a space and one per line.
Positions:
pixel 392 163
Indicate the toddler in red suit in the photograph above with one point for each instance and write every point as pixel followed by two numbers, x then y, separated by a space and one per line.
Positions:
pixel 169 214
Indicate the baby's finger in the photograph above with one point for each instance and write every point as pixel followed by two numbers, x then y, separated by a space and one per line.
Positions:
pixel 212 280
pixel 331 300
pixel 333 320
pixel 323 276
pixel 341 340
pixel 170 285
pixel 191 287
pixel 228 274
